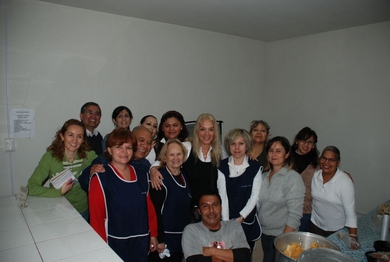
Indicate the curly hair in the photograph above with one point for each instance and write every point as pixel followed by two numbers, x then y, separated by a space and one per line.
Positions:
pixel 57 147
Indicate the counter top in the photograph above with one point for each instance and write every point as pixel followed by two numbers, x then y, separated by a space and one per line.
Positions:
pixel 49 229
pixel 369 226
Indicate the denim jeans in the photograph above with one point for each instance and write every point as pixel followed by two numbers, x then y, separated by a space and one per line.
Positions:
pixel 267 243
pixel 305 223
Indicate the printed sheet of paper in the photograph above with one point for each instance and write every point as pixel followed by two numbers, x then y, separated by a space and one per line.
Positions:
pixel 22 122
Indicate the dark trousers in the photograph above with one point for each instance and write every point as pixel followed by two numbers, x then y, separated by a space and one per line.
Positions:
pixel 316 230
pixel 305 223
pixel 267 242
pixel 153 257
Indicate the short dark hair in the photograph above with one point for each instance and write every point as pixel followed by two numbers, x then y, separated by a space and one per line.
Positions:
pixel 209 193
pixel 84 107
pixel 144 118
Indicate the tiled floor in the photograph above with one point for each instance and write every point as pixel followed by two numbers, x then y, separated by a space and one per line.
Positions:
pixel 49 229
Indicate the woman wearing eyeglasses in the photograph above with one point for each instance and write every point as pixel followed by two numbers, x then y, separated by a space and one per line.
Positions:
pixel 333 195
pixel 305 155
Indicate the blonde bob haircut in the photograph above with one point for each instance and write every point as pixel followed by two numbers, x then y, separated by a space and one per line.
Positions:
pixel 216 151
pixel 233 134
pixel 162 157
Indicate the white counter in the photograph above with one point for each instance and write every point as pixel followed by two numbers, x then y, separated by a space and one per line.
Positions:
pixel 49 229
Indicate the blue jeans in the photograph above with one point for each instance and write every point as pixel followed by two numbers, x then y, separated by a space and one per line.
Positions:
pixel 305 223
pixel 267 242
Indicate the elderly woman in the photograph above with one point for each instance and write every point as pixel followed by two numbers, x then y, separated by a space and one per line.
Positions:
pixel 281 195
pixel 120 207
pixel 172 203
pixel 259 131
pixel 201 164
pixel 239 183
pixel 69 150
pixel 333 198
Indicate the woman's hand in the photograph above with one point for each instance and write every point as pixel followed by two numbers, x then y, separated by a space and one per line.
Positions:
pixel 155 178
pixel 240 219
pixel 288 229
pixel 67 186
pixel 160 247
pixel 349 176
pixel 97 168
pixel 354 243
pixel 153 244
pixel 251 157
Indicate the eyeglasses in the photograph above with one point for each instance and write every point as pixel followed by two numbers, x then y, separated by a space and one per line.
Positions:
pixel 309 142
pixel 330 160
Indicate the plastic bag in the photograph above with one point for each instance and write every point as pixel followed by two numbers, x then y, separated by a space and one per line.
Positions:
pixel 349 242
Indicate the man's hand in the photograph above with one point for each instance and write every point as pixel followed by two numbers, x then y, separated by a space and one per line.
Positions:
pixel 97 168
pixel 155 178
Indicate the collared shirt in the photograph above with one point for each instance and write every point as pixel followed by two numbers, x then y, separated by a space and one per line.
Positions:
pixel 333 202
pixel 236 171
pixel 188 145
pixel 90 134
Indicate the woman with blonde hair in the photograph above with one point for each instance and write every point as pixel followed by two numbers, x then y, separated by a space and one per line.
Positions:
pixel 239 183
pixel 201 165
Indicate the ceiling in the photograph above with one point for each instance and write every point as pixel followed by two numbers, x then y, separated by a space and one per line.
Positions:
pixel 265 20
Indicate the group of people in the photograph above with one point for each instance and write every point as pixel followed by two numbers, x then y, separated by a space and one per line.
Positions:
pixel 162 194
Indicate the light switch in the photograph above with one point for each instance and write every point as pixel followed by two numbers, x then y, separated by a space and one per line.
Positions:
pixel 9 144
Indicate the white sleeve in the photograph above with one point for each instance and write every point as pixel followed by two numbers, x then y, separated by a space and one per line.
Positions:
pixel 221 185
pixel 254 198
pixel 188 145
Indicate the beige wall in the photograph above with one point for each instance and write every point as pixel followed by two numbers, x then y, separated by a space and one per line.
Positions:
pixel 61 57
pixel 338 84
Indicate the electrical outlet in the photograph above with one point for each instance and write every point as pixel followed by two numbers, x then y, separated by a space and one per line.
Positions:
pixel 9 144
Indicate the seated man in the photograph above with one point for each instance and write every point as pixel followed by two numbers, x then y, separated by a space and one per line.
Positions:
pixel 212 239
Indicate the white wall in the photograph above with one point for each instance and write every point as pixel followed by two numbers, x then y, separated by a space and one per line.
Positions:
pixel 338 84
pixel 61 57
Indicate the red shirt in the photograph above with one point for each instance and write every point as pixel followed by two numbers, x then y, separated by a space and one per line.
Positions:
pixel 97 210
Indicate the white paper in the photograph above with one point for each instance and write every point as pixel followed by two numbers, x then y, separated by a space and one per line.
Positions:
pixel 22 122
